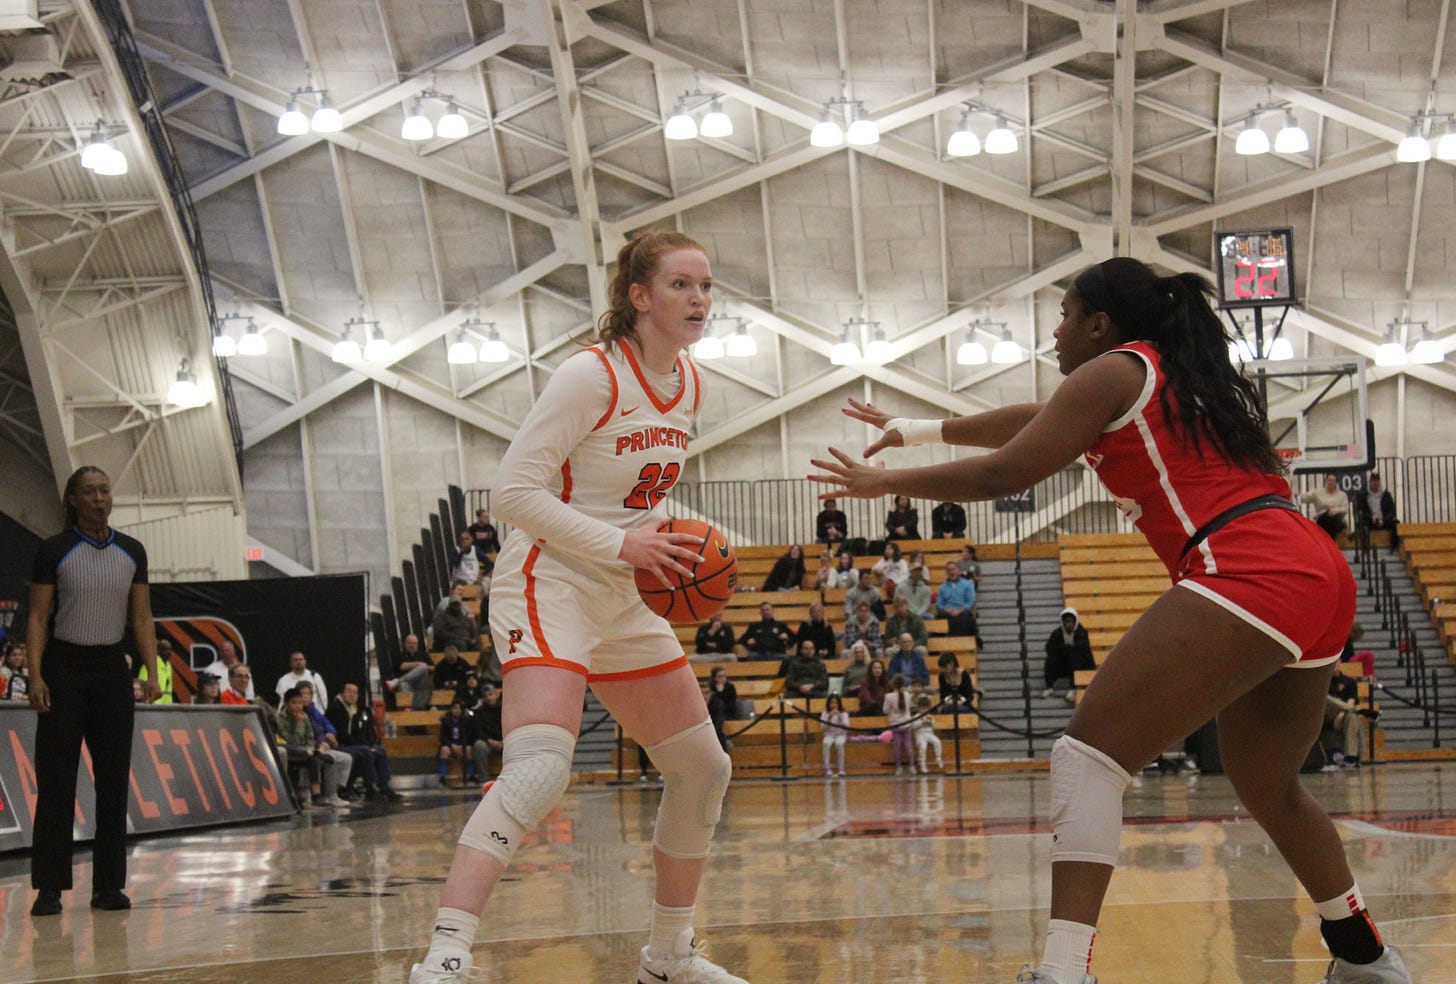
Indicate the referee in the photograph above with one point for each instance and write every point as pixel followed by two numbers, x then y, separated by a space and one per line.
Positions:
pixel 88 586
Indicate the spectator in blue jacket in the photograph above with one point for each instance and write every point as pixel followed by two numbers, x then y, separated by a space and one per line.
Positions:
pixel 956 602
pixel 909 661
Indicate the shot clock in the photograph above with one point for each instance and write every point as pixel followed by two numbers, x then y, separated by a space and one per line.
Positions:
pixel 1255 269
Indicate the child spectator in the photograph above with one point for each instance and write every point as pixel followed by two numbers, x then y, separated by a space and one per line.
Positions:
pixel 835 719
pixel 457 742
pixel 897 710
pixel 925 736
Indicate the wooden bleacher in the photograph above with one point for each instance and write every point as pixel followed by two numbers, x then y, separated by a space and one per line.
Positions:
pixel 1110 579
pixel 1429 550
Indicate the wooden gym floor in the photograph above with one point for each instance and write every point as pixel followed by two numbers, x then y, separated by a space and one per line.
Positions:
pixel 865 880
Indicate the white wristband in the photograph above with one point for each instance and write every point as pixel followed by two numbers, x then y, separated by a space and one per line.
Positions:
pixel 916 432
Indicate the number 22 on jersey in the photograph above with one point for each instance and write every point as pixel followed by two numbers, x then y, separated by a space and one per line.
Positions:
pixel 653 483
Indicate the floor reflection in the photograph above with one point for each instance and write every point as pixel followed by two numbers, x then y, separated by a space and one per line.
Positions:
pixel 926 879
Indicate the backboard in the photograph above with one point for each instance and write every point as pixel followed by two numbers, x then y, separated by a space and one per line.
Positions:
pixel 1318 412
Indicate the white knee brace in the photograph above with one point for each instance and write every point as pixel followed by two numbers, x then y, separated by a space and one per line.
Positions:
pixel 1086 816
pixel 535 771
pixel 695 773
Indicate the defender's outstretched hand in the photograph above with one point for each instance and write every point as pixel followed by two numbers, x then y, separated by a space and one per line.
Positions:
pixel 848 477
pixel 878 418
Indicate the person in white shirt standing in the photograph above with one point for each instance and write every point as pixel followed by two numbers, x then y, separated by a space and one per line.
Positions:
pixel 584 486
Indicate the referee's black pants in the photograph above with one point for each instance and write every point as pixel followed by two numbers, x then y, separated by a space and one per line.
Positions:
pixel 91 698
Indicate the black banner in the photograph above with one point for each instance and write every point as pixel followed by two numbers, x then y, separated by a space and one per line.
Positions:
pixel 1021 502
pixel 326 618
pixel 191 766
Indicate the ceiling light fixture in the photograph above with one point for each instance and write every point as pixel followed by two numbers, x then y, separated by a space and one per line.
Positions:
pixel 1446 146
pixel 963 142
pixel 1001 139
pixel 452 125
pixel 346 349
pixel 1390 352
pixel 740 344
pixel 1426 351
pixel 862 130
pixel 681 125
pixel 462 351
pixel 1006 352
pixel 184 391
pixel 1252 140
pixel 377 349
pixel 492 349
pixel 826 132
pixel 252 342
pixel 1291 138
pixel 99 156
pixel 1414 147
pixel 223 345
pixel 325 118
pixel 846 351
pixel 716 123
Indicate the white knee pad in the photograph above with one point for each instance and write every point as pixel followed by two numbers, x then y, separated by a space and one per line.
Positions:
pixel 1086 816
pixel 695 773
pixel 535 771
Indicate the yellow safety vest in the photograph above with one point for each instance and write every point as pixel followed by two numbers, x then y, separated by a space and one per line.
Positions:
pixel 164 680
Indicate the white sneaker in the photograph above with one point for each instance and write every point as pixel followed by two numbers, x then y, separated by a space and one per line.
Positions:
pixel 1029 976
pixel 687 965
pixel 1389 969
pixel 452 970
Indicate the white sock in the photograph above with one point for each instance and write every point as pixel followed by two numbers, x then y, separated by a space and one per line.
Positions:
pixel 1068 951
pixel 667 924
pixel 453 936
pixel 1342 906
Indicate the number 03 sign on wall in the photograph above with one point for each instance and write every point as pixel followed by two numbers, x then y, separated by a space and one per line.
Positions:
pixel 1255 269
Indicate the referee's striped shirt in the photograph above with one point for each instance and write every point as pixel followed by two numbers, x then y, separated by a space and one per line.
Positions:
pixel 93 580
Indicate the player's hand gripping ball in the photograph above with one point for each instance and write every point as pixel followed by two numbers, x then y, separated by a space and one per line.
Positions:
pixel 701 594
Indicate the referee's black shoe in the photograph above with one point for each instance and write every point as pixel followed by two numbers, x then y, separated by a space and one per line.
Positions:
pixel 110 899
pixel 47 903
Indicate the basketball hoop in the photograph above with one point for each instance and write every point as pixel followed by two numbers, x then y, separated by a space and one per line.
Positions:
pixel 1290 455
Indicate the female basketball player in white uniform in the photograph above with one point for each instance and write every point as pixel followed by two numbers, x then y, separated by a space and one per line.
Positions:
pixel 1261 602
pixel 584 485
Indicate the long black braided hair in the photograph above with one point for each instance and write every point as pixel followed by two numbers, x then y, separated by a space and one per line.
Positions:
pixel 1216 401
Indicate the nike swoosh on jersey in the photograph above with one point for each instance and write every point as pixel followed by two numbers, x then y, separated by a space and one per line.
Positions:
pixel 629 410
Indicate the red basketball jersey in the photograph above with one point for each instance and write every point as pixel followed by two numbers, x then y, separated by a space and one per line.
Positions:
pixel 1161 482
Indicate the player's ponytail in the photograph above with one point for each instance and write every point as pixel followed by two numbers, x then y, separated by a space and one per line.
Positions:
pixel 636 263
pixel 1216 401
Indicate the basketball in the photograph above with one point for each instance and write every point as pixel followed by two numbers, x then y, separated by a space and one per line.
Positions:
pixel 700 595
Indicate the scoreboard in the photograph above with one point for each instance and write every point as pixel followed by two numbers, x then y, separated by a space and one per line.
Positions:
pixel 1255 269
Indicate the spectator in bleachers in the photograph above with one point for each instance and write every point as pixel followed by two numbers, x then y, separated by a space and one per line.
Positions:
pixel 891 569
pixel 768 638
pixel 857 669
pixel 864 591
pixel 916 591
pixel 903 522
pixel 826 576
pixel 451 671
pixel 15 666
pixel 902 619
pixel 956 685
pixel 863 627
pixel 1068 649
pixel 948 521
pixel 470 692
pixel 222 667
pixel 454 627
pixel 296 733
pixel 917 559
pixel 898 712
pixel 831 525
pixel 164 673
pixel 412 672
pixel 968 564
pixel 209 689
pixel 457 743
pixel 806 675
pixel 346 764
pixel 714 640
pixel 1375 510
pixel 716 714
pixel 816 629
pixel 845 576
pixel 489 735
pixel 909 661
pixel 923 730
pixel 723 687
pixel 1344 728
pixel 1363 658
pixel 835 720
pixel 298 672
pixel 464 564
pixel 240 681
pixel 788 571
pixel 872 689
pixel 956 602
pixel 487 543
pixel 1330 504
pixel 456 593
pixel 354 724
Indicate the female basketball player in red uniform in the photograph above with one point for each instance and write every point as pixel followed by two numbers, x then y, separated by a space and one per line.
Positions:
pixel 585 484
pixel 1261 603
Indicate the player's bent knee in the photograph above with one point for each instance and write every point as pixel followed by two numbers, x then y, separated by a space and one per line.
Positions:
pixel 695 774
pixel 535 771
pixel 1086 811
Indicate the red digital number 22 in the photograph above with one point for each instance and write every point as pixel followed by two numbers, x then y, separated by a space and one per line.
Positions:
pixel 652 485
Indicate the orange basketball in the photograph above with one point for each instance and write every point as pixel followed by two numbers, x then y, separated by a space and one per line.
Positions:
pixel 698 596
